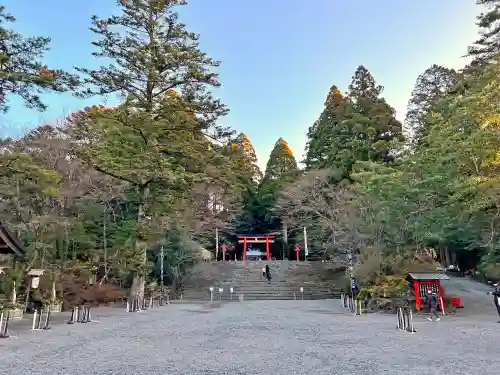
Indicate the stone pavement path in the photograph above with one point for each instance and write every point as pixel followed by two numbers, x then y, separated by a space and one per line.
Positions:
pixel 261 337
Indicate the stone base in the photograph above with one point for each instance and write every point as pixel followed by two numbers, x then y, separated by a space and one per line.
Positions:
pixel 16 314
pixel 56 307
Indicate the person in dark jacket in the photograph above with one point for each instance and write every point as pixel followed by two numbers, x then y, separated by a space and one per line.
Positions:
pixel 496 296
pixel 431 301
pixel 268 274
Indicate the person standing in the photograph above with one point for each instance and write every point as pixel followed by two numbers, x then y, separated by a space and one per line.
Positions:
pixel 496 296
pixel 268 274
pixel 431 301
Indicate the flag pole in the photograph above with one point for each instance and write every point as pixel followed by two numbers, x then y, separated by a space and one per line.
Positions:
pixel 216 243
pixel 306 251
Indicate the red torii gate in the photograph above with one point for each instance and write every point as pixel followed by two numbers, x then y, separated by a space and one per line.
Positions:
pixel 256 238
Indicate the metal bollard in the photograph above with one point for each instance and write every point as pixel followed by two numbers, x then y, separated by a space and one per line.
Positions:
pixel 4 325
pixel 74 315
pixel 46 325
pixel 405 321
pixel 37 319
pixel 83 318
pixel 342 300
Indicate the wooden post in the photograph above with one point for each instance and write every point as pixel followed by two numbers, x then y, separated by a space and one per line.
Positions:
pixel 285 242
pixel 244 249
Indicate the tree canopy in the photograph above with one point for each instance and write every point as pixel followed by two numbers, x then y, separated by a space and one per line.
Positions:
pixel 107 188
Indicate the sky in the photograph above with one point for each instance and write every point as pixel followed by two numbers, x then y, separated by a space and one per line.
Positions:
pixel 279 57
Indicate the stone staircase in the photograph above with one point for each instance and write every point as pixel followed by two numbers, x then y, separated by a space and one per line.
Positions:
pixel 318 280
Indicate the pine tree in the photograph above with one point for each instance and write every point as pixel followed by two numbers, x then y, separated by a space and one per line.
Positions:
pixel 488 44
pixel 281 163
pixel 320 141
pixel 22 74
pixel 160 134
pixel 431 86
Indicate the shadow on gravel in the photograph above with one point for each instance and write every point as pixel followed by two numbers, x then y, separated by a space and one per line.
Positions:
pixel 198 311
pixel 328 312
pixel 214 305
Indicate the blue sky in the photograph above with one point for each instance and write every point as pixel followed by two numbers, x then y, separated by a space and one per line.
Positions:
pixel 279 57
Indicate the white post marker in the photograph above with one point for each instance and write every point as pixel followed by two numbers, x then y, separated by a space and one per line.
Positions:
pixel 306 251
pixel 211 289
pixel 302 292
pixel 216 243
pixel 231 290
pixel 442 305
pixel 220 293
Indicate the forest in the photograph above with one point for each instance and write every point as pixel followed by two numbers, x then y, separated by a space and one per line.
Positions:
pixel 107 187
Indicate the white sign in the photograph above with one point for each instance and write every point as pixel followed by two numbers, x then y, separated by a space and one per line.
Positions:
pixel 255 253
pixel 211 289
pixel 221 290
pixel 301 289
pixel 35 281
pixel 231 290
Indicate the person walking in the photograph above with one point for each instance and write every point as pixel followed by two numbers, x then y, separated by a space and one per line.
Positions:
pixel 496 296
pixel 431 301
pixel 268 274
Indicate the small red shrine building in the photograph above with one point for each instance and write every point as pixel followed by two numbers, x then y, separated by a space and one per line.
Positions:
pixel 421 282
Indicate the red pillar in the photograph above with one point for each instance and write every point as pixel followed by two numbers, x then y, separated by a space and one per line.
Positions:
pixel 244 249
pixel 268 252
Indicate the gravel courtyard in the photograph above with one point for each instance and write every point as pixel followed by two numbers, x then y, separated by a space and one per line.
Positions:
pixel 264 337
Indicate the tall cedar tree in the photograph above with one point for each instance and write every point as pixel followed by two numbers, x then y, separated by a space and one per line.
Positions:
pixel 22 73
pixel 169 112
pixel 488 44
pixel 258 215
pixel 320 142
pixel 431 86
pixel 371 122
pixel 281 163
pixel 354 129
pixel 246 160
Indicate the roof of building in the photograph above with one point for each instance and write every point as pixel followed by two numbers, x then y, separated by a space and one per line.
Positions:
pixel 422 276
pixel 9 243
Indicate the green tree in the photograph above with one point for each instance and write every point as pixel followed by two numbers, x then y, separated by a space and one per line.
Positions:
pixel 432 85
pixel 160 134
pixel 245 159
pixel 22 73
pixel 281 164
pixel 488 44
pixel 321 136
pixel 359 128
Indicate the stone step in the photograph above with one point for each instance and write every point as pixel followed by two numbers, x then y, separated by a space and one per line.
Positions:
pixel 247 297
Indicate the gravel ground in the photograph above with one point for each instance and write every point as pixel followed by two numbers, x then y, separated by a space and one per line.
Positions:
pixel 258 337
